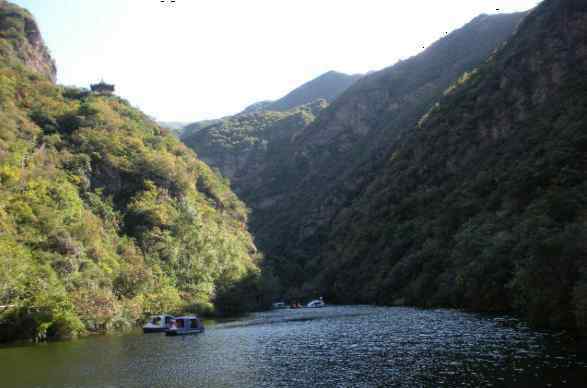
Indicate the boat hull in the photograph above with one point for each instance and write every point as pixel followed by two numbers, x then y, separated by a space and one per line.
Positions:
pixel 148 330
pixel 174 333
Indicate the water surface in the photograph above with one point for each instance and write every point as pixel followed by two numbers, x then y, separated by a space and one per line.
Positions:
pixel 332 347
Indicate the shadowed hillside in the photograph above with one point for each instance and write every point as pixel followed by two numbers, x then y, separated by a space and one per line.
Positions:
pixel 482 205
pixel 245 146
pixel 332 159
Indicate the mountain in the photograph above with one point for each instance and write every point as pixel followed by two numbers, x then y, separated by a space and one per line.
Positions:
pixel 173 125
pixel 257 107
pixel 244 146
pixel 333 158
pixel 257 122
pixel 328 86
pixel 104 216
pixel 192 128
pixel 482 203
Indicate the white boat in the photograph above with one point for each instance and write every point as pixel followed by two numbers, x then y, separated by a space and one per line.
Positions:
pixel 316 303
pixel 185 326
pixel 158 324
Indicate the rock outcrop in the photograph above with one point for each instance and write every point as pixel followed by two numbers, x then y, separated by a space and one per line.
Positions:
pixel 23 40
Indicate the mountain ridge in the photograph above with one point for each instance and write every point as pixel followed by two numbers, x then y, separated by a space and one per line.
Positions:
pixel 480 205
pixel 335 155
pixel 327 86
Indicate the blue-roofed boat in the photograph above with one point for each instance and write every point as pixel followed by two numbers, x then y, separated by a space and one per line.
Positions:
pixel 187 325
pixel 158 324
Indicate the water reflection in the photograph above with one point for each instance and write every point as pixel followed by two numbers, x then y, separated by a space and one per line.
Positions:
pixel 331 347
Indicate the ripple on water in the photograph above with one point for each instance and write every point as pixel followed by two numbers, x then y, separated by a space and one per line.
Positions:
pixel 333 347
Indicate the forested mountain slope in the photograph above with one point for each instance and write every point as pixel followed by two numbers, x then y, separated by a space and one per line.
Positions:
pixel 335 156
pixel 482 205
pixel 244 146
pixel 328 87
pixel 103 216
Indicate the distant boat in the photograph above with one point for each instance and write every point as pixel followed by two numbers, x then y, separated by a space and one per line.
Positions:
pixel 185 326
pixel 316 303
pixel 279 306
pixel 158 324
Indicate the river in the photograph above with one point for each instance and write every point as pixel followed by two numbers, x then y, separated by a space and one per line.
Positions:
pixel 354 346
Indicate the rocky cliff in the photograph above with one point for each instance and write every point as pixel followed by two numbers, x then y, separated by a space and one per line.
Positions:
pixel 22 40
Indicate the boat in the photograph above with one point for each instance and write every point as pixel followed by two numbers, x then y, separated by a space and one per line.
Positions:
pixel 158 324
pixel 279 306
pixel 185 326
pixel 316 303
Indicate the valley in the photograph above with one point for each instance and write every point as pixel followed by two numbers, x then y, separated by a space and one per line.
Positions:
pixel 456 178
pixel 432 212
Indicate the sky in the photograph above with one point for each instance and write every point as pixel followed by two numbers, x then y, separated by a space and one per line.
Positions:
pixel 191 60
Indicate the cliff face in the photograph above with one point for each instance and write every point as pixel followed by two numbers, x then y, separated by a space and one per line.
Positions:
pixel 482 204
pixel 22 40
pixel 335 156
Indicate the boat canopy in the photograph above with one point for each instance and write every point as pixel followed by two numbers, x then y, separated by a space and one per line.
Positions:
pixel 160 319
pixel 189 322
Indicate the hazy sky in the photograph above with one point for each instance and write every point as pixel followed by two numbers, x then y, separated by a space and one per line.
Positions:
pixel 199 59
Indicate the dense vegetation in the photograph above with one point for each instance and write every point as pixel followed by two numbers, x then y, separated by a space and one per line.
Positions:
pixel 483 204
pixel 192 128
pixel 104 217
pixel 455 178
pixel 243 146
pixel 327 163
pixel 327 86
